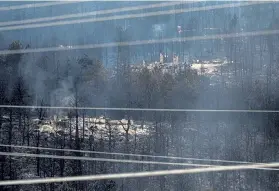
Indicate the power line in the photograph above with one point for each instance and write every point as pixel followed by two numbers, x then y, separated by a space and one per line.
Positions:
pixel 35 5
pixel 127 154
pixel 129 16
pixel 134 43
pixel 138 174
pixel 16 154
pixel 135 155
pixel 139 109
pixel 93 13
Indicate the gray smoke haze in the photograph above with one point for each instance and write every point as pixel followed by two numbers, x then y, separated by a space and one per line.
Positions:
pixel 105 78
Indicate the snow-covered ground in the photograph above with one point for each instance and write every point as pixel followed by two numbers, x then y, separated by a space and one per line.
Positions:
pixel 209 67
pixel 97 126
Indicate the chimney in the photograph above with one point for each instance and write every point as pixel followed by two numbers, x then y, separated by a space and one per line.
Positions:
pixel 161 58
pixel 175 59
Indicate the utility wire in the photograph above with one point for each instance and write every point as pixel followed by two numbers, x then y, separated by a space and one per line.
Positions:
pixel 16 154
pixel 138 174
pixel 134 43
pixel 126 154
pixel 92 13
pixel 138 109
pixel 130 16
pixel 36 5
